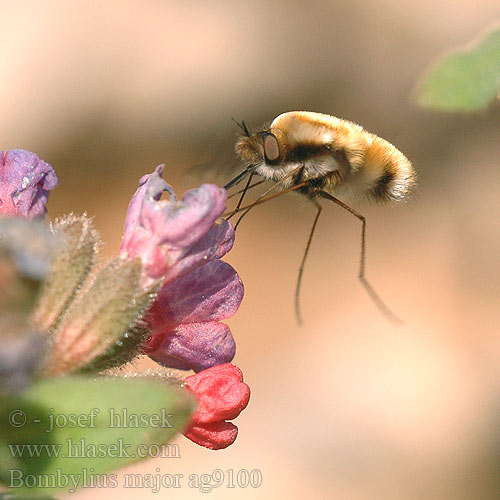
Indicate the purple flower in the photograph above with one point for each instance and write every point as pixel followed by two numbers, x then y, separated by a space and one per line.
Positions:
pixel 186 332
pixel 25 182
pixel 179 244
pixel 173 237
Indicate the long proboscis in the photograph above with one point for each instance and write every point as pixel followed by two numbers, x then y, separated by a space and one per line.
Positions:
pixel 239 177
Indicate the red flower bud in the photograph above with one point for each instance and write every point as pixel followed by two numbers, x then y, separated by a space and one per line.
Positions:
pixel 222 395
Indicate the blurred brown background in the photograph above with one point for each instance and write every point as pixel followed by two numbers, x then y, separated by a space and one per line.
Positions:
pixel 347 406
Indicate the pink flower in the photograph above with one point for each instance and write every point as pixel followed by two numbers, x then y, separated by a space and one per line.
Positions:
pixel 221 395
pixel 173 237
pixel 25 182
pixel 179 243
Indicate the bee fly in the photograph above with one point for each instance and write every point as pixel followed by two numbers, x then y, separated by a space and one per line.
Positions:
pixel 321 156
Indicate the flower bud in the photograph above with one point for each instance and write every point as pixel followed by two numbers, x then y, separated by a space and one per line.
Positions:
pixel 222 395
pixel 103 326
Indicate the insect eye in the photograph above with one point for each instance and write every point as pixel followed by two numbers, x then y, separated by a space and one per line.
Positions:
pixel 271 148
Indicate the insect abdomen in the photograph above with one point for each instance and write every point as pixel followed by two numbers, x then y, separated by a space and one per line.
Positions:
pixel 384 174
pixel 395 174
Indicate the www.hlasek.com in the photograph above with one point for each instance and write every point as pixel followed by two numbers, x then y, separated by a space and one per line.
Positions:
pixel 83 449
pixel 205 483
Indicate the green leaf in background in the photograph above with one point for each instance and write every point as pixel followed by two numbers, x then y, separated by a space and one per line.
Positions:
pixel 467 79
pixel 64 433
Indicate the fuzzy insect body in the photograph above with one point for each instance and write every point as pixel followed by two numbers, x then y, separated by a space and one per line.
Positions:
pixel 335 155
pixel 324 157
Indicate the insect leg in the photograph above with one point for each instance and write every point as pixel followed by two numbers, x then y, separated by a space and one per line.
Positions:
pixel 260 201
pixel 301 268
pixel 261 198
pixel 249 187
pixel 361 275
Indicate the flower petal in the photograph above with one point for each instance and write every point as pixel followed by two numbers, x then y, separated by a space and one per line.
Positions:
pixel 214 245
pixel 221 393
pixel 214 436
pixel 209 293
pixel 162 233
pixel 25 182
pixel 195 346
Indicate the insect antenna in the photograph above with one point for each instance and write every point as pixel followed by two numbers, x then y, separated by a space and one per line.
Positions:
pixel 242 126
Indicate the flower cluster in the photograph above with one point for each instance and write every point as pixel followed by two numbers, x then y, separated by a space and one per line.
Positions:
pixel 165 294
pixel 180 243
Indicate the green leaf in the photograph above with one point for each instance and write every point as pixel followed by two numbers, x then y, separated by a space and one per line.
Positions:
pixel 78 429
pixel 467 79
